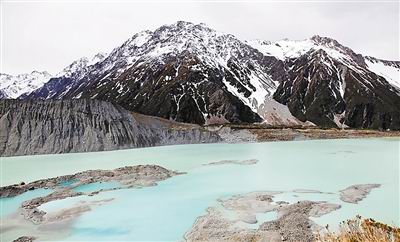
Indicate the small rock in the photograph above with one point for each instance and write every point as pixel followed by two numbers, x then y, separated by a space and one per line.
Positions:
pixel 25 239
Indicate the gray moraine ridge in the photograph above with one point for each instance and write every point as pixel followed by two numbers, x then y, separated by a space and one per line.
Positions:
pixel 63 126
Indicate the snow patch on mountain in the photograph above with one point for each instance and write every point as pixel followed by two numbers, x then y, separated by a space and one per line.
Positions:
pixel 80 67
pixel 97 58
pixel 140 38
pixel 288 49
pixel 389 72
pixel 282 49
pixel 13 86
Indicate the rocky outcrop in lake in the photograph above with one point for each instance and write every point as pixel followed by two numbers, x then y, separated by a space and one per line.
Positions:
pixel 63 126
pixel 53 225
pixel 63 186
pixel 356 193
pixel 292 223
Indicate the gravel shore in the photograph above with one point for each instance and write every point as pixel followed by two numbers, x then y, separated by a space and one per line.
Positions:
pixel 292 224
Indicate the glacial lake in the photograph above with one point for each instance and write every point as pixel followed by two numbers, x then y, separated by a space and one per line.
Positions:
pixel 167 211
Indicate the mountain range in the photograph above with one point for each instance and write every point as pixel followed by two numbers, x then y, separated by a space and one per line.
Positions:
pixel 13 86
pixel 191 73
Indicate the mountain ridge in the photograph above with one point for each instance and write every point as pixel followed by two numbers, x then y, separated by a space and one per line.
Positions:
pixel 13 86
pixel 191 73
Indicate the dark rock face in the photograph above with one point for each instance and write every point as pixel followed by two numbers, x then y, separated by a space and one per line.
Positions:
pixel 183 95
pixel 373 107
pixel 2 95
pixel 62 126
pixel 320 88
pixel 312 91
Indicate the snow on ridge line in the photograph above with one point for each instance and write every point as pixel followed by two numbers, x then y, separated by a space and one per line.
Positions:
pixel 286 49
pixel 390 73
pixel 80 65
pixel 14 86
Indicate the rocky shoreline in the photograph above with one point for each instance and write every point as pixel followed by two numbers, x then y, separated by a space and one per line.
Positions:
pixel 244 133
pixel 292 223
pixel 127 177
pixel 233 219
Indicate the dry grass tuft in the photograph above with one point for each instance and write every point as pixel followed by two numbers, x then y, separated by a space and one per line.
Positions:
pixel 358 229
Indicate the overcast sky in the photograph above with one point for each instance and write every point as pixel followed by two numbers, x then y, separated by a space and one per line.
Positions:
pixel 48 35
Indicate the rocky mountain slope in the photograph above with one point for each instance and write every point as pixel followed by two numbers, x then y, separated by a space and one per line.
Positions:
pixel 57 86
pixel 13 86
pixel 191 73
pixel 183 72
pixel 62 126
pixel 330 85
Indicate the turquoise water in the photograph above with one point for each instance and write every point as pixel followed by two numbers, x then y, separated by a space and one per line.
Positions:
pixel 96 186
pixel 168 210
pixel 68 183
pixel 10 205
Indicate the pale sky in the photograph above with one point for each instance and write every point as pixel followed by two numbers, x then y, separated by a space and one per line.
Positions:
pixel 49 35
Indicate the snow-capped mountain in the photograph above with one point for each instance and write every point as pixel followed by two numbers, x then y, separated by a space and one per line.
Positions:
pixel 80 67
pixel 184 72
pixel 13 86
pixel 68 78
pixel 289 49
pixel 192 73
pixel 330 85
